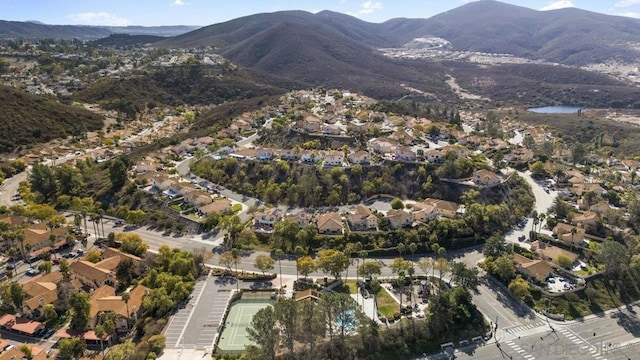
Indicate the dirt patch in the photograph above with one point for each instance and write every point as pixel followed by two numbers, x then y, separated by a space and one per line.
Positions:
pixel 462 93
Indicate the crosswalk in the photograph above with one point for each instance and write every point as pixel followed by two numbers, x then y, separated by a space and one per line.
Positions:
pixel 529 329
pixel 585 348
pixel 517 348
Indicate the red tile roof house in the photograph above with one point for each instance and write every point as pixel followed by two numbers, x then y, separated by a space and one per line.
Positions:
pixel 19 324
pixel 96 275
pixel 104 299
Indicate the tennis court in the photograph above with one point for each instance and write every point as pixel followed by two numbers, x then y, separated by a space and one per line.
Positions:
pixel 234 338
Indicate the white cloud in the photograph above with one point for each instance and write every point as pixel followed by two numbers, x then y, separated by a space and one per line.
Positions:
pixel 179 3
pixel 630 14
pixel 369 7
pixel 626 3
pixel 99 18
pixel 557 5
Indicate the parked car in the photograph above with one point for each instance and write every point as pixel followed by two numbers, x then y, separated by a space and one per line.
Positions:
pixel 11 266
pixel 32 272
pixel 80 252
pixel 521 238
pixel 48 333
pixel 118 222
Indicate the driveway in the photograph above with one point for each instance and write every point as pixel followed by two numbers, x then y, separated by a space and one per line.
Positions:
pixel 544 201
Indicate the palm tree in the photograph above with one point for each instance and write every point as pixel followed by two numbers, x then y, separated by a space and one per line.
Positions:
pixel 534 215
pixel 125 297
pixel 20 237
pixel 574 230
pixel 413 247
pixel 279 255
pixel 441 260
pixel 99 330
pixel 77 220
pixel 83 213
pixel 236 259
pixel 436 250
pixel 92 219
pixel 101 216
pixel 299 251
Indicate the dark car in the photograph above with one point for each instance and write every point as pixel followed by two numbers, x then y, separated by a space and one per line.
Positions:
pixel 49 333
pixel 11 266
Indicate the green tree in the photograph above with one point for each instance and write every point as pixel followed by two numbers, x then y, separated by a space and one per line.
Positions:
pixel 43 181
pixel 279 255
pixel 494 246
pixel 27 354
pixel 12 294
pixel 311 326
pixel 305 265
pixel 264 332
pixel 132 244
pixel 264 263
pixel 71 348
pixel 332 262
pixel 537 169
pixel 227 259
pixel 65 269
pixel 233 225
pixel 287 316
pixel 400 266
pixel 124 351
pixel 81 307
pixel 369 268
pixel 520 288
pixel 94 255
pixel 504 268
pixel 397 204
pixel 564 261
pixel 49 315
pixel 157 343
pixel 45 267
pixel 340 318
pixel 615 257
pixel 117 173
pixel 425 264
pixel 577 153
pixel 464 276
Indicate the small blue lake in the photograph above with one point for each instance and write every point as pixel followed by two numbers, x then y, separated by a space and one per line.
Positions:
pixel 560 109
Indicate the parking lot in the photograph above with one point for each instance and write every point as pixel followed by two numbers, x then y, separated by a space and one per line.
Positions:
pixel 196 323
pixel 559 284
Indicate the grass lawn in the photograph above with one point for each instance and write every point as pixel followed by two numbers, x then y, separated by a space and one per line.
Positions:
pixel 597 297
pixel 386 305
pixel 352 286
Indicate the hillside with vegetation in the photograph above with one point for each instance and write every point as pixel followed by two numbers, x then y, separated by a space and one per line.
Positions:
pixel 29 119
pixel 189 84
pixel 545 84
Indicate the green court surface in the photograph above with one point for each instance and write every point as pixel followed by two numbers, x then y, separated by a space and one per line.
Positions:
pixel 234 338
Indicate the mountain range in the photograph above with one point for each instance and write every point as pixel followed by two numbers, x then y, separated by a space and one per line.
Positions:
pixel 570 36
pixel 337 50
pixel 35 30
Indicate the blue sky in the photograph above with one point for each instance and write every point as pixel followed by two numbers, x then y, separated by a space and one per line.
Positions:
pixel 206 12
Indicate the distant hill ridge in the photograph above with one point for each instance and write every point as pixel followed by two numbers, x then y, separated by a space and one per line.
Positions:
pixel 35 30
pixel 571 36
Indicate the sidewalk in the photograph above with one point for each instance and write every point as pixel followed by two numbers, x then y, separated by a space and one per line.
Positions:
pixel 368 306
